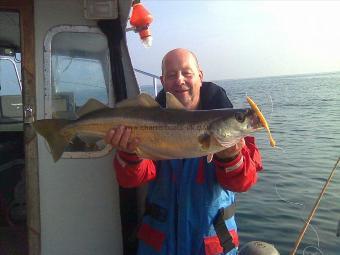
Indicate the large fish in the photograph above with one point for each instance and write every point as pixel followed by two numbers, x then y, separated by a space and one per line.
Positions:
pixel 164 133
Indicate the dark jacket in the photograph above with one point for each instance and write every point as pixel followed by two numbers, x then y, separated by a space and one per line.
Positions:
pixel 212 97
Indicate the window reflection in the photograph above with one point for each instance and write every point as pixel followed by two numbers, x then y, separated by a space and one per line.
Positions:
pixel 80 70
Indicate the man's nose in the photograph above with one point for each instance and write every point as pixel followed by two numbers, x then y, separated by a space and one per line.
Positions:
pixel 180 79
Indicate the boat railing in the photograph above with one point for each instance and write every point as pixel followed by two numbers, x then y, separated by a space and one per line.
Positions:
pixel 153 76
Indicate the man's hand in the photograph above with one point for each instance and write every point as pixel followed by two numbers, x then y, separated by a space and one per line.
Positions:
pixel 120 139
pixel 231 152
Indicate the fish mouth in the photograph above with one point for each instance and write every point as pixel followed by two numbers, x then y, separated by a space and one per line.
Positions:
pixel 255 122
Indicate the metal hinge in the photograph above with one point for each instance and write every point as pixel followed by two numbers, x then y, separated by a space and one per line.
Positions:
pixel 28 114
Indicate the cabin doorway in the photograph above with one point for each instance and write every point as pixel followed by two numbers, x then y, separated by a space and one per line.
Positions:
pixel 13 209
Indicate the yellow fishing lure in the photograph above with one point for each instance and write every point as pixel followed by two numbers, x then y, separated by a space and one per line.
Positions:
pixel 262 120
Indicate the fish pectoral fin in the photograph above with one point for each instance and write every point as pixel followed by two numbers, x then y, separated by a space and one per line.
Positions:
pixel 204 141
pixel 172 102
pixel 90 106
pixel 210 157
pixel 143 100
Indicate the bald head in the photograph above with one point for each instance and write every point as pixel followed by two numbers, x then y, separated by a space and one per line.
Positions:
pixel 182 77
pixel 179 52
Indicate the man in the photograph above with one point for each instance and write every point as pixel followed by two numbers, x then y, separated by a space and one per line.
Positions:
pixel 190 203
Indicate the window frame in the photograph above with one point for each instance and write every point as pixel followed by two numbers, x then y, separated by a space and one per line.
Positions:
pixel 15 69
pixel 47 63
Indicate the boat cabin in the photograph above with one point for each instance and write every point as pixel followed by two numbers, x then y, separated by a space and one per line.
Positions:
pixel 54 56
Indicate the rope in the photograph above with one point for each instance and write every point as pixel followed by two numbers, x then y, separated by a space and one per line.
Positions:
pixel 311 215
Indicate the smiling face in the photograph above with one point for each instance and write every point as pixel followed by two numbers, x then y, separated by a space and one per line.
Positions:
pixel 182 77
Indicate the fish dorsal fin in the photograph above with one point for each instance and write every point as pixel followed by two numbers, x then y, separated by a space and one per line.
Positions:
pixel 90 106
pixel 143 100
pixel 172 102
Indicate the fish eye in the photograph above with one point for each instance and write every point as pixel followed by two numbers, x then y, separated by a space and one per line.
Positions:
pixel 240 117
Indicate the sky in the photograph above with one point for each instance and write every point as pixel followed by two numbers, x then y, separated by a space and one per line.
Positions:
pixel 243 39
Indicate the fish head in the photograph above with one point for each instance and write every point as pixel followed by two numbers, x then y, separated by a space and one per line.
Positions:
pixel 233 125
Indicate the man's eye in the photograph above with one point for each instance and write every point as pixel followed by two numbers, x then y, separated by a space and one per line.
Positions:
pixel 171 76
pixel 187 74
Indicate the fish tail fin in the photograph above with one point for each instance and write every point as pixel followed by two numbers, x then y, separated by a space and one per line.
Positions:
pixel 50 130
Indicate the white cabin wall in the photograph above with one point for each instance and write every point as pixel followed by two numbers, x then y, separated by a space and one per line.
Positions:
pixel 78 197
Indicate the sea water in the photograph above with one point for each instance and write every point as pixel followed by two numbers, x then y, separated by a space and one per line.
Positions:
pixel 304 113
pixel 304 116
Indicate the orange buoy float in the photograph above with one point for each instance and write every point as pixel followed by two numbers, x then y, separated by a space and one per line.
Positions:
pixel 141 20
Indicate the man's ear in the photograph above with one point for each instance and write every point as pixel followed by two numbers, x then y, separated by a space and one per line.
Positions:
pixel 162 79
pixel 200 74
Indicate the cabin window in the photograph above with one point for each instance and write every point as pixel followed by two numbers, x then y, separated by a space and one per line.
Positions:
pixel 10 91
pixel 77 68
